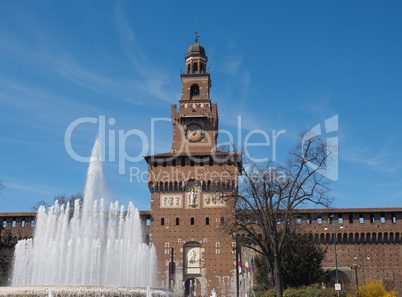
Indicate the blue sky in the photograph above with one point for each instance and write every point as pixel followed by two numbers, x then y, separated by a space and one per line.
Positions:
pixel 279 65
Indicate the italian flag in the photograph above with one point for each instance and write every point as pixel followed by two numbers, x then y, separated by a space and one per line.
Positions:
pixel 246 266
pixel 239 263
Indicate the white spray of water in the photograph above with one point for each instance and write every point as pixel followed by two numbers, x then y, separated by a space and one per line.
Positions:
pixel 90 246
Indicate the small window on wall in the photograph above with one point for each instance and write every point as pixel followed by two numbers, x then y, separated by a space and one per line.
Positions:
pixel 4 224
pixel 319 221
pixel 177 221
pixel 382 219
pixel 162 221
pixel 23 224
pixel 192 221
pixel 32 223
pixel 14 223
pixel 207 221
pixel 222 220
pixel 194 91
pixel 361 219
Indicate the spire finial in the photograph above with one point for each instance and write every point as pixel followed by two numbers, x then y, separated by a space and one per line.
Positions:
pixel 196 33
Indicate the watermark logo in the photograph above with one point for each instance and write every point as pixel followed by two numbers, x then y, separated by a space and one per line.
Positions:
pixel 116 140
pixel 265 142
pixel 330 170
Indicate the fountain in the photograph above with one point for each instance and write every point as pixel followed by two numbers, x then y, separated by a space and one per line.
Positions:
pixel 89 252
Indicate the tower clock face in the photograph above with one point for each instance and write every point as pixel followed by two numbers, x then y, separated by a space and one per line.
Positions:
pixel 194 132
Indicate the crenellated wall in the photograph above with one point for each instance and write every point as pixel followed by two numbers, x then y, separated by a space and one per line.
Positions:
pixel 369 237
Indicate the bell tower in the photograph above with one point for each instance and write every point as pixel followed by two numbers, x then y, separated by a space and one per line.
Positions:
pixel 195 124
pixel 188 186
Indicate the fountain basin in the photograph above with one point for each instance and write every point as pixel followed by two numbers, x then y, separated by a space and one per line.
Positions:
pixel 81 291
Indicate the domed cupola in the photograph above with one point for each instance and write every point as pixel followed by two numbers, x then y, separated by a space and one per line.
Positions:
pixel 196 49
pixel 196 61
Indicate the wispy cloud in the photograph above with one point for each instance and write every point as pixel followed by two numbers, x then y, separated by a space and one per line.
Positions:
pixel 45 57
pixel 42 105
pixel 382 161
pixel 30 187
pixel 232 64
pixel 154 81
pixel 318 106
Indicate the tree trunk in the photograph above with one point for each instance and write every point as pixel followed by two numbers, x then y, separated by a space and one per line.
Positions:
pixel 277 276
pixel 270 278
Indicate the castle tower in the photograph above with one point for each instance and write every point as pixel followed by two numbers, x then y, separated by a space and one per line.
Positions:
pixel 195 254
pixel 195 124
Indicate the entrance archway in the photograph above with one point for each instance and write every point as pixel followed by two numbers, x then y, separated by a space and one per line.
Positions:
pixel 192 287
pixel 344 279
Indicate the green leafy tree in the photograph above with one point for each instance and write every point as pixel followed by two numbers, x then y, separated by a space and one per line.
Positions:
pixel 7 245
pixel 301 264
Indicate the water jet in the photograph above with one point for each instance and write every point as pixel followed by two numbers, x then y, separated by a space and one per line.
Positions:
pixel 89 251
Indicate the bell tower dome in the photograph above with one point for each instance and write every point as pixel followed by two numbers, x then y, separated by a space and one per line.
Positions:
pixel 196 80
pixel 195 123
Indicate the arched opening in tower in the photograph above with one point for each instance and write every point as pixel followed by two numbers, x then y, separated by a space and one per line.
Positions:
pixel 194 91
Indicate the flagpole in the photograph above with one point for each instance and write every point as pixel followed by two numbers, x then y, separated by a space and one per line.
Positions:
pixel 238 258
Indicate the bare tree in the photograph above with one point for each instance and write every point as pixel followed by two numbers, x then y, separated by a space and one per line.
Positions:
pixel 269 194
pixel 62 199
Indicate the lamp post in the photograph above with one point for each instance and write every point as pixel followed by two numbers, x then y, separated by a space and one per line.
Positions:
pixel 172 268
pixel 355 266
pixel 362 260
pixel 336 258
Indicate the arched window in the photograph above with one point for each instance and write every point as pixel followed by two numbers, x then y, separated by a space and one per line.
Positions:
pixel 177 221
pixel 322 237
pixel 194 91
pixel 195 68
pixel 202 68
pixel 192 221
pixel 207 221
pixel 162 221
pixel 328 237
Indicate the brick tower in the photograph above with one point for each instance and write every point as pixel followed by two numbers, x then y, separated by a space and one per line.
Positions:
pixel 195 255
